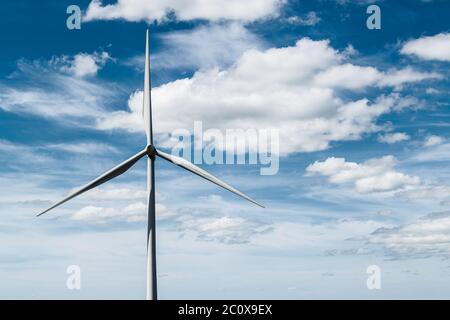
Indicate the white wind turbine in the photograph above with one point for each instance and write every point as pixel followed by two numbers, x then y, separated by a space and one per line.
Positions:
pixel 151 152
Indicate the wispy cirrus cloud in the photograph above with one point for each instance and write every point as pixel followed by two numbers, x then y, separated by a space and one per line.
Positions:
pixel 434 148
pixel 81 147
pixel 43 89
pixel 18 159
pixel 427 192
pixel 216 45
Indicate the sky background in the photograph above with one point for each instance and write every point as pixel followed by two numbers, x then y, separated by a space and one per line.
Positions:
pixel 363 117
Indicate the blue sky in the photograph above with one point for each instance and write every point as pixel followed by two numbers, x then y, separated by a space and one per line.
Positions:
pixel 363 117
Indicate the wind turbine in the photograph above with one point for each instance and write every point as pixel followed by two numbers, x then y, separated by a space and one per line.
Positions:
pixel 152 153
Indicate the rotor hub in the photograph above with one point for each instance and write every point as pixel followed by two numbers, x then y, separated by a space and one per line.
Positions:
pixel 151 151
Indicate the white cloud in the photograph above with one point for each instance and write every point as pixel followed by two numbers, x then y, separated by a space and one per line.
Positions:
pixel 53 158
pixel 350 51
pixel 435 149
pixel 396 78
pixel 310 19
pixel 350 76
pixel 391 138
pixel 83 147
pixel 301 97
pixel 213 45
pixel 228 230
pixel 82 64
pixel 14 154
pixel 435 47
pixel 38 89
pixel 303 88
pixel 131 121
pixel 327 238
pixel 133 212
pixel 277 87
pixel 427 192
pixel 94 213
pixel 424 237
pixel 116 193
pixel 185 10
pixel 374 175
pixel 432 91
pixel 433 140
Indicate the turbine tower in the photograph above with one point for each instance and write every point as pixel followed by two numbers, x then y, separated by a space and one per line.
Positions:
pixel 152 153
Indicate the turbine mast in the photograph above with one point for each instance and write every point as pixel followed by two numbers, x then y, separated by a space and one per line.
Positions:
pixel 151 214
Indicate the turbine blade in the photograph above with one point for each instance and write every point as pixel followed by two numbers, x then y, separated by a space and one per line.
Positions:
pixel 204 174
pixel 147 103
pixel 116 171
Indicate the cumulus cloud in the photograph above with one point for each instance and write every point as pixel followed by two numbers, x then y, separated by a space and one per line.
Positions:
pixel 82 64
pixel 391 138
pixel 116 203
pixel 301 97
pixel 131 121
pixel 433 140
pixel 373 175
pixel 116 192
pixel 350 76
pixel 161 10
pixel 228 230
pixel 425 237
pixel 310 19
pixel 134 212
pixel 93 213
pixel 435 47
pixel 397 78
